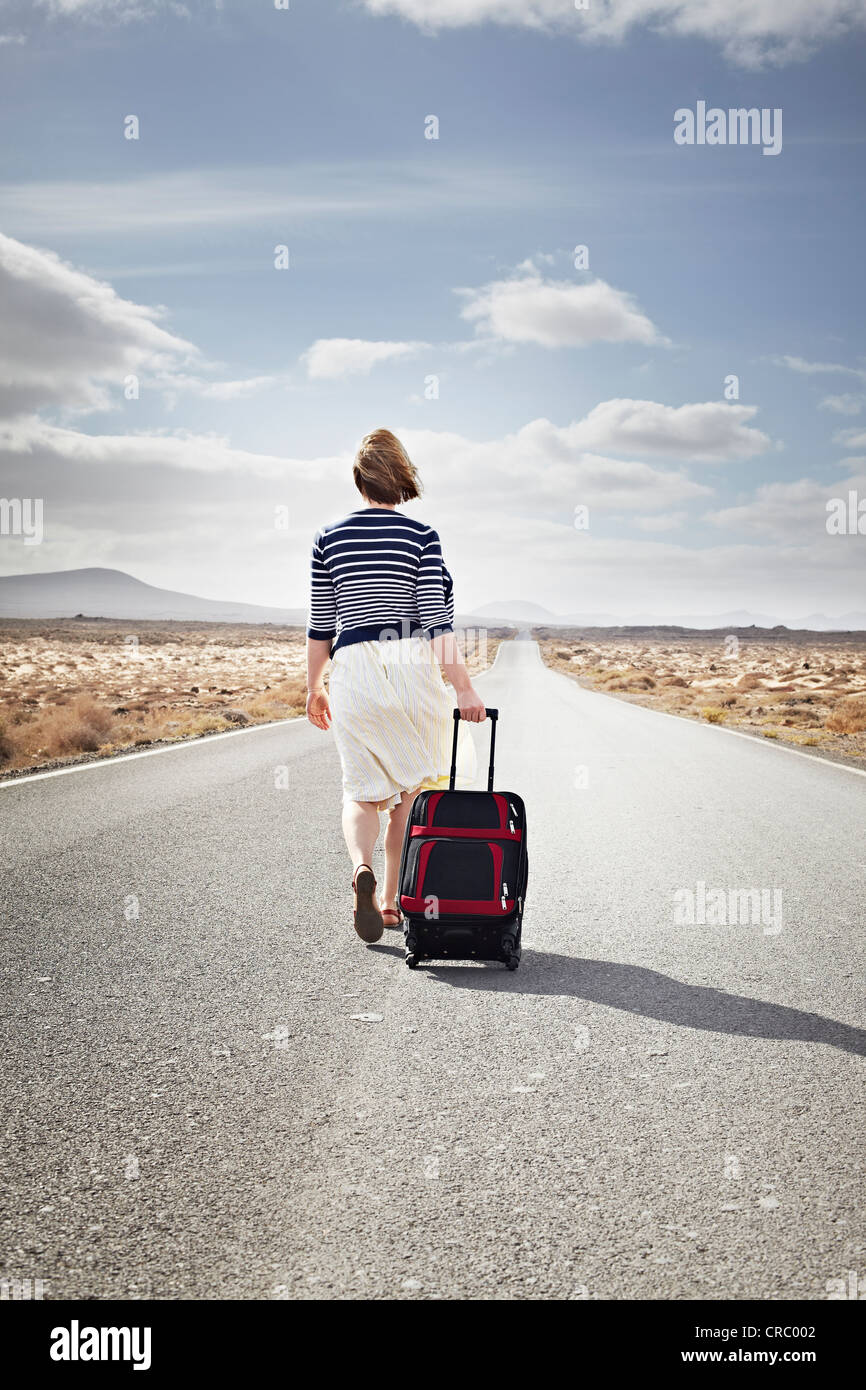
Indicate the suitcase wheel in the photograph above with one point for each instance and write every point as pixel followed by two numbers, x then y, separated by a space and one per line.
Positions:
pixel 510 952
pixel 412 961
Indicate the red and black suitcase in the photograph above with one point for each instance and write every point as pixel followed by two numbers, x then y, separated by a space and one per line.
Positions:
pixel 464 871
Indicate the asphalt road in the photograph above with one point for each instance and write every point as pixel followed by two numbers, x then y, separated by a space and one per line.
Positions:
pixel 647 1108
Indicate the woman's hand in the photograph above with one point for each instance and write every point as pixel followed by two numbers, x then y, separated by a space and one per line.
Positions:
pixel 471 706
pixel 318 709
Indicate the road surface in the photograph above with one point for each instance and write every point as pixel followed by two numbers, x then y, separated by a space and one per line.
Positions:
pixel 648 1108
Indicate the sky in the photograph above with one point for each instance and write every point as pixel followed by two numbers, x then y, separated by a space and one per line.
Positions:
pixel 345 214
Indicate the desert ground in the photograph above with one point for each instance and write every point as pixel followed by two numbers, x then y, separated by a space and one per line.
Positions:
pixel 78 688
pixel 806 689
pixel 73 689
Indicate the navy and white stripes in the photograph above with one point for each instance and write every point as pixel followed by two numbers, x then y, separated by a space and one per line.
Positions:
pixel 378 574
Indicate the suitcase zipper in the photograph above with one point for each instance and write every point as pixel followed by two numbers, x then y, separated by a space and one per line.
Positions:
pixel 429 810
pixel 412 901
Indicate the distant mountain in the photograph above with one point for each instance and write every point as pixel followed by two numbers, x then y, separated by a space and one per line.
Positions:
pixel 105 593
pixel 520 612
pixel 848 622
pixel 517 610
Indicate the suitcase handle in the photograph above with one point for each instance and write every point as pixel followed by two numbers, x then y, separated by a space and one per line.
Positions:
pixel 492 715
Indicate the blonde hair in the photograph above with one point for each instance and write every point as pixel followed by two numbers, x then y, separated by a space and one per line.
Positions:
pixel 383 471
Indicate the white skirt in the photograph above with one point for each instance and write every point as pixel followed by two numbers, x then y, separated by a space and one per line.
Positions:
pixel 392 717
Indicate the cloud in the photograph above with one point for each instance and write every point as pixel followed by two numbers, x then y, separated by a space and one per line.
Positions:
pixel 666 521
pixel 570 570
pixel 504 507
pixel 175 384
pixel 524 308
pixel 555 313
pixel 799 364
pixel 119 10
pixel 189 509
pixel 330 358
pixel 231 390
pixel 706 432
pixel 846 404
pixel 541 470
pixel 302 194
pixel 122 453
pixel 68 339
pixel 787 511
pixel 65 337
pixel 751 33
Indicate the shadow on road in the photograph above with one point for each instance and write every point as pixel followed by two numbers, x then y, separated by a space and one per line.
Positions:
pixel 382 948
pixel 652 995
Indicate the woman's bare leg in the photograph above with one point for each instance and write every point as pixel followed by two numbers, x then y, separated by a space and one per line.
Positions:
pixel 360 830
pixel 394 846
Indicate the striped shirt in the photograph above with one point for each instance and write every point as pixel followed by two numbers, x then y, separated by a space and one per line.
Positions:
pixel 378 574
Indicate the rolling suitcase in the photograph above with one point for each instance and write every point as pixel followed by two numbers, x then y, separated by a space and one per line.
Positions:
pixel 464 870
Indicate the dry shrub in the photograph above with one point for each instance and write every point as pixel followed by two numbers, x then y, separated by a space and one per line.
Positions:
pixel 849 717
pixel 203 724
pixel 292 693
pixel 259 710
pixel 78 727
pixel 673 680
pixel 613 673
pixel 7 743
pixel 749 680
pixel 634 683
pixel 713 714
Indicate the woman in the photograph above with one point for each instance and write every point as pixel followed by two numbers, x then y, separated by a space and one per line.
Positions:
pixel 380 588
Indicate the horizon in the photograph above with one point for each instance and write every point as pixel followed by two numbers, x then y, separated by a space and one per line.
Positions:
pixel 495 611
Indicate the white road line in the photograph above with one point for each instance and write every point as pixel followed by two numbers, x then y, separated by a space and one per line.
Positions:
pixel 28 777
pixel 718 729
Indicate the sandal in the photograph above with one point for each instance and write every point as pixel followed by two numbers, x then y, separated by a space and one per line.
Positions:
pixel 394 913
pixel 368 918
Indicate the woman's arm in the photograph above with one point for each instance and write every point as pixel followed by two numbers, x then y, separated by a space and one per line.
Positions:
pixel 318 708
pixel 321 629
pixel 450 658
pixel 436 609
